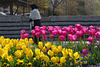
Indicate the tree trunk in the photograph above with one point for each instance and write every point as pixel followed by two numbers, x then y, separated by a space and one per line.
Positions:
pixel 11 8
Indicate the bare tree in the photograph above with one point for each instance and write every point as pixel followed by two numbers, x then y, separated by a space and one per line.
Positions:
pixel 54 4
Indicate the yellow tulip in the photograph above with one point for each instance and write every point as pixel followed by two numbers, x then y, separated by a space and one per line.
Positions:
pixel 4 55
pixel 24 47
pixel 65 52
pixel 60 48
pixel 46 58
pixel 44 49
pixel 48 45
pixel 1 51
pixel 70 50
pixel 57 59
pixel 31 41
pixel 30 53
pixel 27 43
pixel 10 45
pixel 10 58
pixel 37 51
pixel 50 53
pixel 19 46
pixel 55 50
pixel 53 59
pixel 3 44
pixel 18 54
pixel 76 55
pixel 26 39
pixel 40 45
pixel 62 60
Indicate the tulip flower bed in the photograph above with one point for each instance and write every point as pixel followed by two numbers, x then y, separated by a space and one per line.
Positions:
pixel 24 52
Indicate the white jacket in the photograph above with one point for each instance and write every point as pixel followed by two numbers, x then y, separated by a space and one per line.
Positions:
pixel 35 14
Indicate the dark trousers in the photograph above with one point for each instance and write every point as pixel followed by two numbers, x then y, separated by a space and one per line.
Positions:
pixel 36 23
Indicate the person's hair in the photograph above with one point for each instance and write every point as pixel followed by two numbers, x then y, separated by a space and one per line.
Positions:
pixel 34 6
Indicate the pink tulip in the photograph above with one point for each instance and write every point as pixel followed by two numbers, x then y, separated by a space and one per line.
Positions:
pixel 45 37
pixel 90 39
pixel 37 29
pixel 55 32
pixel 57 28
pixel 64 29
pixel 37 34
pixel 92 27
pixel 64 33
pixel 41 28
pixel 85 30
pixel 91 32
pixel 84 51
pixel 43 32
pixel 70 36
pixel 75 30
pixel 61 38
pixel 98 29
pixel 33 32
pixel 72 31
pixel 59 32
pixel 44 27
pixel 22 35
pixel 74 37
pixel 78 26
pixel 26 35
pixel 79 33
pixel 68 29
pixel 51 36
pixel 50 29
pixel 23 32
pixel 70 26
pixel 98 34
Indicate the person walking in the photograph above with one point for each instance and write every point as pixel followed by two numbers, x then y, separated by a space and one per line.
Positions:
pixel 35 17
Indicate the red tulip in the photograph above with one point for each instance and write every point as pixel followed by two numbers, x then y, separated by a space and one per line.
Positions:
pixel 51 36
pixel 37 34
pixel 23 32
pixel 90 39
pixel 84 51
pixel 26 35
pixel 45 37
pixel 61 38
pixel 33 32
pixel 68 29
pixel 79 33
